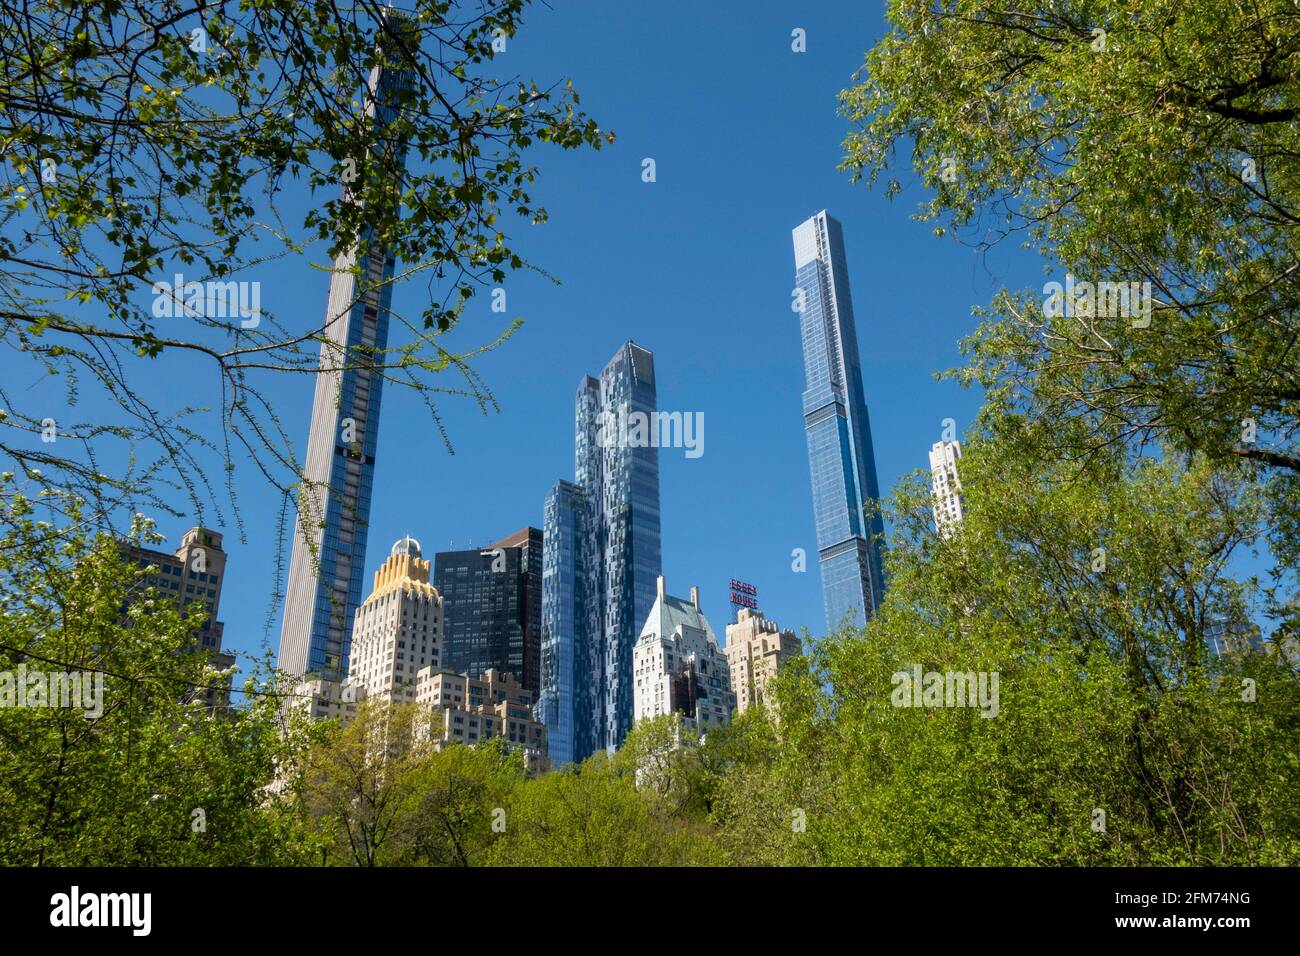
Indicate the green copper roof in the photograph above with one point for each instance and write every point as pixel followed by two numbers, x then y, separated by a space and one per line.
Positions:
pixel 670 612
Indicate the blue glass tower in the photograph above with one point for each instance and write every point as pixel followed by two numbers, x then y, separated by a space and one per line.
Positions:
pixel 601 562
pixel 840 456
pixel 562 704
pixel 327 564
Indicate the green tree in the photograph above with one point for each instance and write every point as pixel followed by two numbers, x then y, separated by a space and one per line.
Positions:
pixel 1115 738
pixel 766 784
pixel 662 755
pixel 461 806
pixel 358 786
pixel 594 815
pixel 143 776
pixel 379 791
pixel 1154 141
pixel 142 139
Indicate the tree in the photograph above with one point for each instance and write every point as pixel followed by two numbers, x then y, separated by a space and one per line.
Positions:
pixel 662 756
pixel 1111 735
pixel 460 810
pixel 379 791
pixel 594 815
pixel 105 758
pixel 358 786
pixel 144 139
pixel 1129 143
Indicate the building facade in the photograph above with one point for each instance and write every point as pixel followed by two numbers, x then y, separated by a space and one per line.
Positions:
pixel 192 576
pixel 840 455
pixel 565 704
pixel 1227 637
pixel 322 699
pixel 398 630
pixel 398 641
pixel 945 487
pixel 474 709
pixel 678 666
pixel 756 649
pixel 601 558
pixel 326 568
pixel 492 607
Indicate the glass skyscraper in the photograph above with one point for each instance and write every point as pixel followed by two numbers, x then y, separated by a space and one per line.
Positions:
pixel 327 564
pixel 564 705
pixel 601 562
pixel 492 607
pixel 840 456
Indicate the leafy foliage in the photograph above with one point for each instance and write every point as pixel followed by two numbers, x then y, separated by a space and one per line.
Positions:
pixel 143 139
pixel 1108 512
pixel 1153 141
pixel 377 792
pixel 1108 699
pixel 156 777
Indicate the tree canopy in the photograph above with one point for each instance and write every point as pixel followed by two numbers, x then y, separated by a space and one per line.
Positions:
pixel 1127 142
pixel 140 141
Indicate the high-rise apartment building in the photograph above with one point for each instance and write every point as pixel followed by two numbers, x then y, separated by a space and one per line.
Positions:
pixel 398 630
pixel 492 607
pixel 756 649
pixel 322 699
pixel 601 559
pixel 191 576
pixel 678 666
pixel 397 653
pixel 474 709
pixel 840 454
pixel 453 708
pixel 326 568
pixel 945 486
pixel 565 704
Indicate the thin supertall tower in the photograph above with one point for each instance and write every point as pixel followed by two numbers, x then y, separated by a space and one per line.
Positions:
pixel 840 456
pixel 327 566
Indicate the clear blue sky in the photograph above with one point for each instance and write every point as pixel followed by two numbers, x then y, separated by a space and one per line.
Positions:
pixel 696 267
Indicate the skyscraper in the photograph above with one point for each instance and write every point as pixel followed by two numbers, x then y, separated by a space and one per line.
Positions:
pixel 601 561
pixel 679 666
pixel 756 650
pixel 1228 636
pixel 840 455
pixel 398 628
pixel 945 486
pixel 492 607
pixel 327 565
pixel 564 705
pixel 191 576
